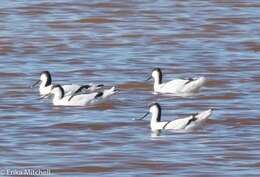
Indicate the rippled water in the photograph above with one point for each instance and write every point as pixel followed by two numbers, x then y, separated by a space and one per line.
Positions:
pixel 118 43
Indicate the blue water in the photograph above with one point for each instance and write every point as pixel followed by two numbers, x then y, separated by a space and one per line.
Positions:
pixel 119 43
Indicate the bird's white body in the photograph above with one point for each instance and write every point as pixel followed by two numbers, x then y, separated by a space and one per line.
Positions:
pixel 79 100
pixel 46 86
pixel 60 99
pixel 180 86
pixel 181 124
pixel 187 123
pixel 176 86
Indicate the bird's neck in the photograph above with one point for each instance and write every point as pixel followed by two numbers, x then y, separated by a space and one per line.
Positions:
pixel 57 96
pixel 156 123
pixel 157 81
pixel 45 83
pixel 44 88
pixel 156 115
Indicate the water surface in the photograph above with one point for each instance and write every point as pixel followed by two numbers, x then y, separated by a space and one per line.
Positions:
pixel 118 43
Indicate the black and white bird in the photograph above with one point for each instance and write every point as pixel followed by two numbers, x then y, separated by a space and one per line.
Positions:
pixel 45 87
pixel 187 123
pixel 78 98
pixel 176 86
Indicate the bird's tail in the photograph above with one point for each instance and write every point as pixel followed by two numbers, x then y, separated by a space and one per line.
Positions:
pixel 201 81
pixel 195 85
pixel 109 92
pixel 204 115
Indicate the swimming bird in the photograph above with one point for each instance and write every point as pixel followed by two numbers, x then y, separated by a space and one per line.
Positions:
pixel 190 122
pixel 60 99
pixel 45 87
pixel 191 85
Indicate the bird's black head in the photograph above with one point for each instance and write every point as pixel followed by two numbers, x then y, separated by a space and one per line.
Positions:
pixel 159 72
pixel 158 107
pixel 47 75
pixel 157 69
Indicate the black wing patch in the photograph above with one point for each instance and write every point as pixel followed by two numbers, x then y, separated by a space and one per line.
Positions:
pixel 193 119
pixel 79 91
pixel 167 123
pixel 189 81
pixel 100 85
pixel 82 88
pixel 99 94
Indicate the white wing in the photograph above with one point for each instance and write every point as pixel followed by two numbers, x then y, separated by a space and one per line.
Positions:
pixel 200 119
pixel 69 89
pixel 178 124
pixel 173 86
pixel 183 85
pixel 189 122
pixel 80 100
pixel 195 85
